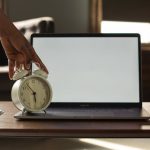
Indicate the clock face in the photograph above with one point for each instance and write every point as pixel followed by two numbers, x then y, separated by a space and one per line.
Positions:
pixel 35 93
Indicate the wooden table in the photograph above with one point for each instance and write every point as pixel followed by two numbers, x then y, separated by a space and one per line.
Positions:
pixel 10 127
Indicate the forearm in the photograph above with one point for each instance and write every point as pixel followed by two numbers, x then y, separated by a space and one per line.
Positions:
pixel 5 25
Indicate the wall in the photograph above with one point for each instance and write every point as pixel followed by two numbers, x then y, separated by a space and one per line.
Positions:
pixel 73 15
pixel 126 10
pixel 70 15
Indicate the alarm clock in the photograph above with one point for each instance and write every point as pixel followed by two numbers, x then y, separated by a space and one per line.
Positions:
pixel 32 93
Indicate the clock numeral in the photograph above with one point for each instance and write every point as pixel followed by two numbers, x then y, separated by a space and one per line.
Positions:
pixel 24 88
pixel 33 80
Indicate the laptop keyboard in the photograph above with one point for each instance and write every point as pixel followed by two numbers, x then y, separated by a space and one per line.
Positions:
pixel 92 113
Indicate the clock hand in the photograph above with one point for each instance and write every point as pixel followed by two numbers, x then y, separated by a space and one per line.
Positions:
pixel 30 88
pixel 34 95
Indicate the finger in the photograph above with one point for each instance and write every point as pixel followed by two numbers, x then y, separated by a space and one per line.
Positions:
pixel 25 60
pixel 39 64
pixel 11 65
pixel 38 61
pixel 17 64
pixel 27 66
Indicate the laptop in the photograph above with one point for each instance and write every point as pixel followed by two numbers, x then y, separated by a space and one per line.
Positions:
pixel 93 76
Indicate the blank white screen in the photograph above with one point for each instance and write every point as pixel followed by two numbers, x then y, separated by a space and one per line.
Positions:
pixel 91 69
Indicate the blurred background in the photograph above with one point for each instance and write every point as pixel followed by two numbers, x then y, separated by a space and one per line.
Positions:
pixel 79 16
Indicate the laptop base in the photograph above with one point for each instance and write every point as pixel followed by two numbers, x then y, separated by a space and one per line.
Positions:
pixel 87 114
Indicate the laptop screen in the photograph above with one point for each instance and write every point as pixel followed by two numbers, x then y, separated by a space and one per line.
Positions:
pixel 91 69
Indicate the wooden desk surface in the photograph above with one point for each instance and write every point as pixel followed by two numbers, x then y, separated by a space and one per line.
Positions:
pixel 10 127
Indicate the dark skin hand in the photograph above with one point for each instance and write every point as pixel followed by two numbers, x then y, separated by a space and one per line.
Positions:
pixel 18 50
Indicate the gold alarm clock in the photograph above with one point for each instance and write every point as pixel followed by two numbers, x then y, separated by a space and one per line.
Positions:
pixel 32 93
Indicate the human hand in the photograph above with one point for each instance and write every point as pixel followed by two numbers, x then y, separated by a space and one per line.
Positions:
pixel 19 51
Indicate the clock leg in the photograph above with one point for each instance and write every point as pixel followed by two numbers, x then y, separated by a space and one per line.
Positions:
pixel 1 111
pixel 24 111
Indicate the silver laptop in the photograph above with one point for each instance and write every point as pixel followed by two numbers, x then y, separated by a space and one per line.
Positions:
pixel 93 76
